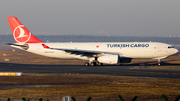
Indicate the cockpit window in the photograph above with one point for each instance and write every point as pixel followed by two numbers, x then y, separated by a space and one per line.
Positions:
pixel 170 46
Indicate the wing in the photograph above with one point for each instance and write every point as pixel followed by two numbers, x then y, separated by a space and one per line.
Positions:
pixel 88 53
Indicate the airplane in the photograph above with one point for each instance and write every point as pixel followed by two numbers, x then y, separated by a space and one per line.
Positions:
pixel 97 53
pixel 46 40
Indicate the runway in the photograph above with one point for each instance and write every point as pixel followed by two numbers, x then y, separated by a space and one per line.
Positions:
pixel 113 70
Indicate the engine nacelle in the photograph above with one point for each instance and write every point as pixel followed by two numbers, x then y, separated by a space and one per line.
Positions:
pixel 109 59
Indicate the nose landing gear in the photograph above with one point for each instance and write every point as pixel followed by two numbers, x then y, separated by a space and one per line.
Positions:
pixel 159 62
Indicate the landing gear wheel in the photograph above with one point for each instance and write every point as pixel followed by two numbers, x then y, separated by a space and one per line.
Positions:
pixel 99 64
pixel 86 64
pixel 93 64
pixel 159 64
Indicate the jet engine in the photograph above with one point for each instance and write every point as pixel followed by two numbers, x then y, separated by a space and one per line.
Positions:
pixel 109 59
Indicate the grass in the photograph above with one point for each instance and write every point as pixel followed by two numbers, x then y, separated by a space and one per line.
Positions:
pixel 83 86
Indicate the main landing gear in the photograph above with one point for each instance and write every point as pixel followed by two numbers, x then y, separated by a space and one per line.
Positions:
pixel 93 64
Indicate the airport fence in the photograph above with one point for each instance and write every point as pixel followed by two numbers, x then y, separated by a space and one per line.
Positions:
pixel 117 98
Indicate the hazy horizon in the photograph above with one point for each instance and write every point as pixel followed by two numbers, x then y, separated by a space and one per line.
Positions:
pixel 96 17
pixel 88 38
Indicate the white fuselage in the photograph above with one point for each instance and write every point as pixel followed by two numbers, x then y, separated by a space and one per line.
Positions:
pixel 153 50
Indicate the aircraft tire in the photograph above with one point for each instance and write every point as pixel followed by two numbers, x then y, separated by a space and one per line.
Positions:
pixel 93 64
pixel 86 64
pixel 99 64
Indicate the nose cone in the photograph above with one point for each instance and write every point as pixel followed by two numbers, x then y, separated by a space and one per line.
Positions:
pixel 176 50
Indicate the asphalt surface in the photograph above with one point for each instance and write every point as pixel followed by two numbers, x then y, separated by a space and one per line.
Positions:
pixel 138 71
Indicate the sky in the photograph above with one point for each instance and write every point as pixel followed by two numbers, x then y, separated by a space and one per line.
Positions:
pixel 94 17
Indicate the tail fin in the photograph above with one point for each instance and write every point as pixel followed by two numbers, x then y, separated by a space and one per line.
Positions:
pixel 20 33
pixel 46 40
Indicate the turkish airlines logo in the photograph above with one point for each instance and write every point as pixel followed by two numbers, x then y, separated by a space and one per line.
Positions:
pixel 21 34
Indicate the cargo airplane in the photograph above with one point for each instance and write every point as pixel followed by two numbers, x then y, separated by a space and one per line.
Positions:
pixel 96 53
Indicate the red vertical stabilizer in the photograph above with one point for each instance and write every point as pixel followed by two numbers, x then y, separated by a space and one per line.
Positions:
pixel 20 32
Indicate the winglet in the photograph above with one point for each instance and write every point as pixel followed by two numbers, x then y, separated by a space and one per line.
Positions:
pixel 45 46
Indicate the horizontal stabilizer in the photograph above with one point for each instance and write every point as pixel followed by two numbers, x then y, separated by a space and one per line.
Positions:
pixel 24 46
